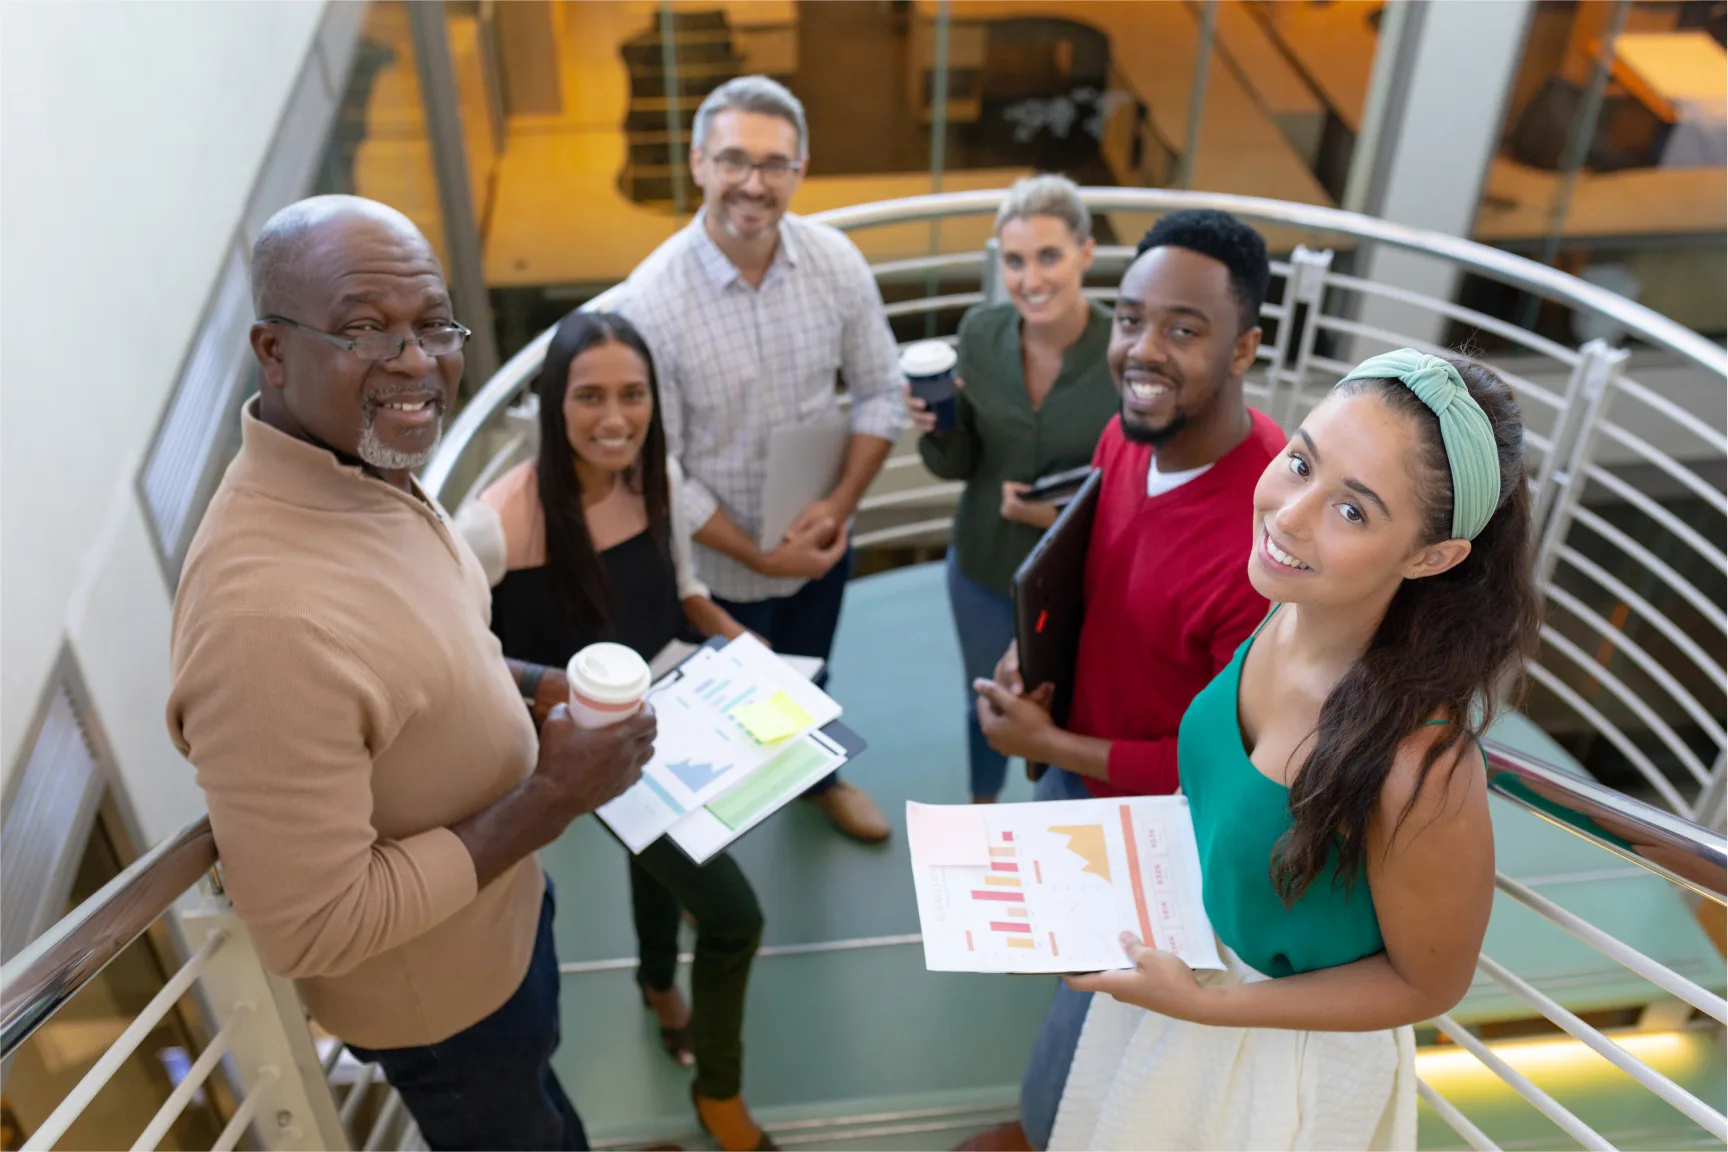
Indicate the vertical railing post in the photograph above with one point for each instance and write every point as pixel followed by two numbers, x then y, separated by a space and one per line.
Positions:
pixel 1567 423
pixel 1561 481
pixel 465 263
pixel 677 148
pixel 1304 293
pixel 1709 810
pixel 990 277
pixel 296 1110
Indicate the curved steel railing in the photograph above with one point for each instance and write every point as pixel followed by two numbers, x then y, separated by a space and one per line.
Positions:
pixel 1690 856
pixel 1516 271
pixel 55 965
pixel 1633 653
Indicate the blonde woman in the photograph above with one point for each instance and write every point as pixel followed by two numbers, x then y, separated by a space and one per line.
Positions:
pixel 1036 394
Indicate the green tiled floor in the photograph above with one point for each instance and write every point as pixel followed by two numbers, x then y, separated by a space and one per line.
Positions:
pixel 918 1058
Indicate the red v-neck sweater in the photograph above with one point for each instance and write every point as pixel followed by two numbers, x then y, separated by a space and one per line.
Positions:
pixel 1167 601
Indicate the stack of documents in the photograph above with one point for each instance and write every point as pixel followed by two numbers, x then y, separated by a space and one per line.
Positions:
pixel 739 736
pixel 1050 887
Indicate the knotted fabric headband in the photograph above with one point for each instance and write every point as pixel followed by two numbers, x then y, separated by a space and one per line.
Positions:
pixel 1465 431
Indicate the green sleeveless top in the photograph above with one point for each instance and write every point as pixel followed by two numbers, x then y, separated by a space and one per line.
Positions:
pixel 1239 814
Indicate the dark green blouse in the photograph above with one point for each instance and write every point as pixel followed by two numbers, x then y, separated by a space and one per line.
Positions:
pixel 998 437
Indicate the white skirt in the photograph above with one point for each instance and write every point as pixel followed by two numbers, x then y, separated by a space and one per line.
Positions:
pixel 1144 1081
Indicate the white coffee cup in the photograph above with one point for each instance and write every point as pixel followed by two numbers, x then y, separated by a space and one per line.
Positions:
pixel 607 683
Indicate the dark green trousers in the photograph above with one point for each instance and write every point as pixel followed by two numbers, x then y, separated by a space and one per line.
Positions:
pixel 664 883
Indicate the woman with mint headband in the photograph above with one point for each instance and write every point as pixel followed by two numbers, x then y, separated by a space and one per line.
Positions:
pixel 1336 784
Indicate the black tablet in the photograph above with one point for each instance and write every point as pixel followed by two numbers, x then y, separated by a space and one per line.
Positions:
pixel 1049 599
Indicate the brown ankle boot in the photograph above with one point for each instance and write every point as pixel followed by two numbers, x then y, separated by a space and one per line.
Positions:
pixel 1009 1137
pixel 729 1124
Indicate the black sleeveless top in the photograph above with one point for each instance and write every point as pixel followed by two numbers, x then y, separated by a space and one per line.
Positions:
pixel 529 619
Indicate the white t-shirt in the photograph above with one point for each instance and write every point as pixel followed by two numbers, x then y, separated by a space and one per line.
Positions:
pixel 1158 483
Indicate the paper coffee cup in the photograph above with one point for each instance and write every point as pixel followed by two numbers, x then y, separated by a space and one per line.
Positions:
pixel 607 683
pixel 928 366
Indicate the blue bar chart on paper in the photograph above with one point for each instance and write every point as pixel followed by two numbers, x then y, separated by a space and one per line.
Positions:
pixel 695 775
pixel 721 693
pixel 704 747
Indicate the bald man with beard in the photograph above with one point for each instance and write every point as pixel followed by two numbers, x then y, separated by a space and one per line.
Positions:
pixel 375 780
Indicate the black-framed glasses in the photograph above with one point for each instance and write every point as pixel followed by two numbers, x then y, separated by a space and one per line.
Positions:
pixel 441 341
pixel 735 167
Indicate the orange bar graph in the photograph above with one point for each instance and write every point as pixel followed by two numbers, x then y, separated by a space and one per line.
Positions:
pixel 1134 875
pixel 1002 881
pixel 1020 942
pixel 1017 913
pixel 1002 852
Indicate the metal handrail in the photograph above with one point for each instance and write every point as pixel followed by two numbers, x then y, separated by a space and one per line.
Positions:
pixel 1516 271
pixel 51 970
pixel 1686 853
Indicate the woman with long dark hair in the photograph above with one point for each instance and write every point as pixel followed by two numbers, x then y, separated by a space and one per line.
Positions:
pixel 584 543
pixel 1336 783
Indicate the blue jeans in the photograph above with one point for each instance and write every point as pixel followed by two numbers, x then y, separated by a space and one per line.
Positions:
pixel 491 1085
pixel 802 624
pixel 1053 1051
pixel 984 621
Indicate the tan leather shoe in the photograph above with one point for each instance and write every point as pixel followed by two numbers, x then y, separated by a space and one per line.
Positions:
pixel 852 811
pixel 729 1124
pixel 1002 1138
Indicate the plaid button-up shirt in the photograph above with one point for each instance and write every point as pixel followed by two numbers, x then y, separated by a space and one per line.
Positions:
pixel 735 362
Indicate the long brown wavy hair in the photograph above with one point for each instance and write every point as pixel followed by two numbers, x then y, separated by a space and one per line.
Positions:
pixel 1450 647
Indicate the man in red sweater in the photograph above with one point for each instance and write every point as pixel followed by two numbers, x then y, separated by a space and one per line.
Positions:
pixel 1167 593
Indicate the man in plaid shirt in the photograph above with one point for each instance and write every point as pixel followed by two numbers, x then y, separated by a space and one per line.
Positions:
pixel 751 313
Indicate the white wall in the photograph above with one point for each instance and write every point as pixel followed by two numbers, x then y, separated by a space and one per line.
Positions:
pixel 130 139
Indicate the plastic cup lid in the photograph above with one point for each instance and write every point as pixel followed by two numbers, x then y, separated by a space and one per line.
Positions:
pixel 928 358
pixel 609 674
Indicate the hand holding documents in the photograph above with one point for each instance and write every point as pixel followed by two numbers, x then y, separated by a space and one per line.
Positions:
pixel 740 734
pixel 1050 887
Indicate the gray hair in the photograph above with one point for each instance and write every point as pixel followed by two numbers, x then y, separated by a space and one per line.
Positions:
pixel 752 94
pixel 1047 195
pixel 277 253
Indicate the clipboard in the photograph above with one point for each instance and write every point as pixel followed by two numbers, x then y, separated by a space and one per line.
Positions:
pixel 701 836
pixel 1050 602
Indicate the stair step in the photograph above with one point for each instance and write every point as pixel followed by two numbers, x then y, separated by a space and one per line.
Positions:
pixel 650 116
pixel 644 87
pixel 648 50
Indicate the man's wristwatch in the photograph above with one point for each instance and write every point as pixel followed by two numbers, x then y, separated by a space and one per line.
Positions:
pixel 530 684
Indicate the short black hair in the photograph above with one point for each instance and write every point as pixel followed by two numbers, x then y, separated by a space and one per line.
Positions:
pixel 1227 240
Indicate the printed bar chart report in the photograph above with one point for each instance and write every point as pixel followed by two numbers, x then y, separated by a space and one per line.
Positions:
pixel 1050 887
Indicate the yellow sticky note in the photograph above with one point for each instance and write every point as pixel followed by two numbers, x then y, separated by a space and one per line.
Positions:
pixel 772 719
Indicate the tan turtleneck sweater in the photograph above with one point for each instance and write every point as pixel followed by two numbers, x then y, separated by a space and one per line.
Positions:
pixel 339 693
